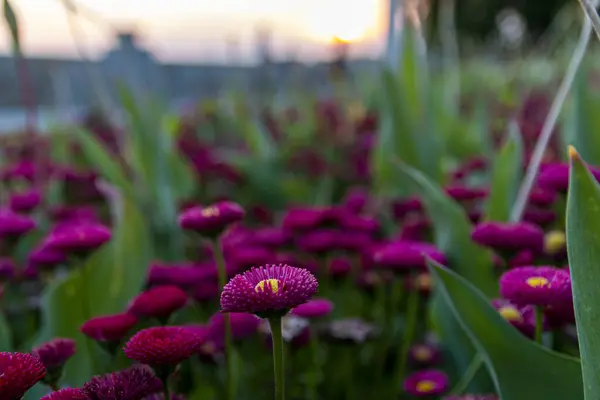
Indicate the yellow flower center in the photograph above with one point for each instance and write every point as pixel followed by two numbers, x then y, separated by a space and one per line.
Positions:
pixel 424 282
pixel 510 314
pixel 426 386
pixel 422 353
pixel 209 212
pixel 554 242
pixel 537 282
pixel 267 284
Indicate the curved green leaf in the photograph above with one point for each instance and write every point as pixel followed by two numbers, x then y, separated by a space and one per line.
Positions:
pixel 583 242
pixel 521 368
pixel 506 177
pixel 453 233
pixel 123 265
pixel 459 345
pixel 10 17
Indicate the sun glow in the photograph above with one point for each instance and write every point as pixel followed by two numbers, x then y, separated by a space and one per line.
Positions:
pixel 345 20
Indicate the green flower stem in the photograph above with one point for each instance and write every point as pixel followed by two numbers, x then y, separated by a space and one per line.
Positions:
pixel 163 374
pixel 410 327
pixel 539 324
pixel 278 365
pixel 313 381
pixel 391 305
pixel 468 376
pixel 86 308
pixel 220 261
pixel 349 361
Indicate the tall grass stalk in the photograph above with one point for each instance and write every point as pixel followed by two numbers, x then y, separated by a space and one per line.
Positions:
pixel 551 120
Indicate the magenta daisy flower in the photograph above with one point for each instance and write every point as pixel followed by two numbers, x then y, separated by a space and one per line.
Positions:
pixel 428 383
pixel 26 201
pixel 541 197
pixel 158 302
pixel 271 289
pixel 45 257
pixel 404 256
pixel 163 345
pixel 315 308
pixel 54 354
pixel 133 383
pixel 13 225
pixel 183 276
pixel 211 221
pixel 541 286
pixel 78 238
pixel 18 373
pixel 303 219
pixel 465 193
pixel 509 237
pixel 67 394
pixel 109 327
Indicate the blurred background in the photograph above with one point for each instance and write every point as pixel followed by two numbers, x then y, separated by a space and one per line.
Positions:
pixel 186 50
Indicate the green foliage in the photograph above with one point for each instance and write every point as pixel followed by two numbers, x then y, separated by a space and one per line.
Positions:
pixel 506 177
pixel 453 232
pixel 159 177
pixel 583 238
pixel 521 368
pixel 407 133
pixel 110 278
pixel 582 121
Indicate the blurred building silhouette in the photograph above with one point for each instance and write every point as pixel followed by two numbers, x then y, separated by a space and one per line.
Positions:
pixel 131 64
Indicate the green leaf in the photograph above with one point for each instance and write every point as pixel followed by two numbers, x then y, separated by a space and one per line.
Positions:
pixel 62 315
pixel 10 17
pixel 461 348
pixel 522 369
pixel 402 116
pixel 183 179
pixel 506 177
pixel 123 264
pixel 142 146
pixel 99 156
pixel 583 241
pixel 481 128
pixel 453 233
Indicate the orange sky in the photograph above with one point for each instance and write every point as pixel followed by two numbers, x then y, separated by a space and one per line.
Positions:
pixel 199 29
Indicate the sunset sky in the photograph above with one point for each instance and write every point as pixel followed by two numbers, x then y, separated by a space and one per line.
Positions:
pixel 200 29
